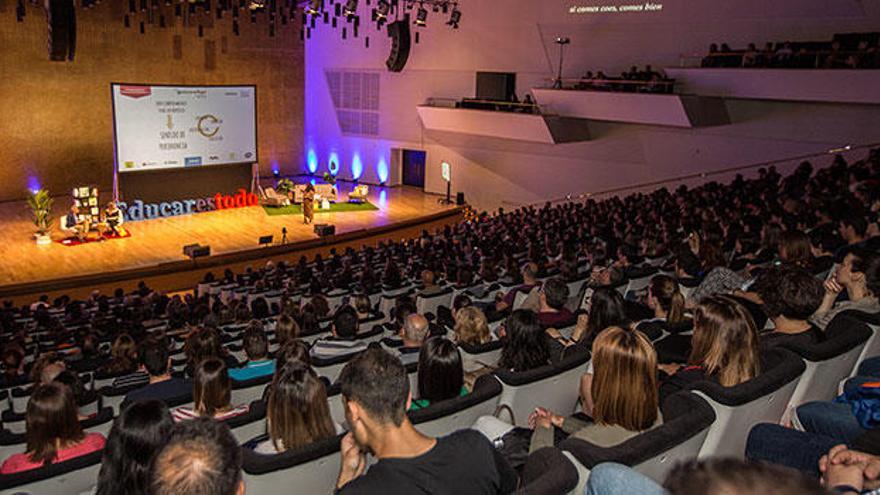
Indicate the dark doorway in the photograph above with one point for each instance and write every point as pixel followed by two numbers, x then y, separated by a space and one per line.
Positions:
pixel 414 168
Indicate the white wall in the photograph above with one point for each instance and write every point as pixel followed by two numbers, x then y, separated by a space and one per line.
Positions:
pixel 516 36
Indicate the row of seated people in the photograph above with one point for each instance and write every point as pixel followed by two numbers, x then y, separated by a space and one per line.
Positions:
pixel 632 81
pixel 803 55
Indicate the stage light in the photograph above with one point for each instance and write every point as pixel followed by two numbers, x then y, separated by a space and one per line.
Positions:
pixel 314 7
pixel 256 4
pixel 382 10
pixel 312 161
pixel 350 9
pixel 382 170
pixel 454 18
pixel 422 17
pixel 357 167
pixel 276 173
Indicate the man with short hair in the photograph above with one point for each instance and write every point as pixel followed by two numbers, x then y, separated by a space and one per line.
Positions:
pixel 343 340
pixel 429 284
pixel 376 396
pixel 256 346
pixel 530 283
pixel 201 458
pixel 552 311
pixel 853 228
pixel 413 334
pixel 155 360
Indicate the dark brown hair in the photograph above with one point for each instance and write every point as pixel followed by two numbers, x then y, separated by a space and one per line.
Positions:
pixel 51 418
pixel 298 413
pixel 212 389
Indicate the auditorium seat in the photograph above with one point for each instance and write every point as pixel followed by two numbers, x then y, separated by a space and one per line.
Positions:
pixel 548 470
pixel 430 304
pixel 310 469
pixel 829 362
pixel 474 357
pixel 554 387
pixel 249 425
pixel 247 391
pixel 13 442
pixel 872 346
pixel 760 400
pixel 77 475
pixel 686 422
pixel 444 417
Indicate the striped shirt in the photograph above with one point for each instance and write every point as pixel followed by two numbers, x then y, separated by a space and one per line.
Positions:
pixel 184 413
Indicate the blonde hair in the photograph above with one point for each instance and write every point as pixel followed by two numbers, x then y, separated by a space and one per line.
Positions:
pixel 471 326
pixel 725 341
pixel 624 387
pixel 667 293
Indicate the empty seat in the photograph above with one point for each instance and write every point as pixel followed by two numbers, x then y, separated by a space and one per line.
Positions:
pixel 311 469
pixel 450 415
pixel 554 387
pixel 829 362
pixel 759 400
pixel 686 422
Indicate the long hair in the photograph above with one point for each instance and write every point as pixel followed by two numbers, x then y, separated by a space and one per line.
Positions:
pixel 471 326
pixel 298 413
pixel 203 344
pixel 667 293
pixel 123 355
pixel 526 347
pixel 286 329
pixel 725 341
pixel 795 249
pixel 624 388
pixel 212 390
pixel 607 308
pixel 137 435
pixel 51 418
pixel 441 375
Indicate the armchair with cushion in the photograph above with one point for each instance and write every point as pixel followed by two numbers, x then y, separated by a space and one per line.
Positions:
pixel 359 194
pixel 271 197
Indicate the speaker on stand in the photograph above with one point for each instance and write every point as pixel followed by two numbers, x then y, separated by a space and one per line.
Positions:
pixel 401 42
pixel 61 24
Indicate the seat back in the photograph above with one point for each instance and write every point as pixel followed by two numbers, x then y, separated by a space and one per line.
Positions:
pixel 19 398
pixel 429 304
pixel 518 299
pixel 461 412
pixel 554 387
pixel 77 475
pixel 245 392
pixel 686 422
pixel 250 425
pixel 829 362
pixel 760 400
pixel 474 357
pixel 872 346
pixel 312 469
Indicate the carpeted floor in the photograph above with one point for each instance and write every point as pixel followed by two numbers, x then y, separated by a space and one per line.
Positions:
pixel 334 208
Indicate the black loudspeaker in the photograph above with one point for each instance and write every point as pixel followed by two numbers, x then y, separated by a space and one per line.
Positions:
pixel 401 42
pixel 61 23
pixel 325 229
pixel 201 251
pixel 459 199
pixel 188 250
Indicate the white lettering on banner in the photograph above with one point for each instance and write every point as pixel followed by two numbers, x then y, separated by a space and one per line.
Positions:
pixel 615 8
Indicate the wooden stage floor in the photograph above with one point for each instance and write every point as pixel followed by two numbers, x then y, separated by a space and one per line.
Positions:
pixel 153 242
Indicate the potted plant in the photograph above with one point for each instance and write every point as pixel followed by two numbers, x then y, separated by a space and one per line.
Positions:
pixel 40 204
pixel 284 186
pixel 329 178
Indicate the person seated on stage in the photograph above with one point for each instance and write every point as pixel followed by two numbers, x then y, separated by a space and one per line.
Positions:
pixel 79 227
pixel 113 218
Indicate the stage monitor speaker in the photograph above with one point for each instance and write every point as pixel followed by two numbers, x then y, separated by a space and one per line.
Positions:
pixel 201 252
pixel 401 42
pixel 459 199
pixel 61 23
pixel 188 250
pixel 266 239
pixel 325 229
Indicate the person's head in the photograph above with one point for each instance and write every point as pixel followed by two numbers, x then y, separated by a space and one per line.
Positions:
pixel 853 228
pixel 154 357
pixel 554 294
pixel 310 188
pixel 737 477
pixel 362 304
pixel 13 360
pixel 212 390
pixel 526 347
pixel 607 308
pixel 256 344
pixel 441 375
pixel 795 249
pixel 137 435
pixel 203 344
pixel 687 264
pixel 606 277
pixel 427 278
pixel 124 347
pixel 664 293
pixel 345 323
pixel 286 329
pixel 415 330
pixel 788 292
pixel 624 380
pixel 292 351
pixel 47 367
pixel 51 420
pixel 201 458
pixel 375 393
pixel 725 341
pixel 471 326
pixel 530 272
pixel 860 269
pixel 297 412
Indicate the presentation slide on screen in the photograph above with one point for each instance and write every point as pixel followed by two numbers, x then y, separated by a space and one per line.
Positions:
pixel 168 127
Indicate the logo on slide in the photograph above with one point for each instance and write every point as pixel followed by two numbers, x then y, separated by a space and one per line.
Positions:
pixel 135 91
pixel 209 125
pixel 128 164
pixel 192 161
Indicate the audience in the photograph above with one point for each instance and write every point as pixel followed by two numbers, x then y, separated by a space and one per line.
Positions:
pixel 471 327
pixel 212 394
pixel 413 334
pixel 526 346
pixel 343 341
pixel 375 392
pixel 256 346
pixel 440 373
pixel 162 385
pixel 859 277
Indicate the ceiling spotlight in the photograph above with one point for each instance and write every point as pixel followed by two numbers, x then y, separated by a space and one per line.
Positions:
pixel 422 16
pixel 350 9
pixel 454 18
pixel 314 7
pixel 382 10
pixel 257 4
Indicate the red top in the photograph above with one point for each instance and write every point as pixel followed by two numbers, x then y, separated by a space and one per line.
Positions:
pixel 21 462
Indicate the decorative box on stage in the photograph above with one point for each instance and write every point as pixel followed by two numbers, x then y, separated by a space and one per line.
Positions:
pixel 325 229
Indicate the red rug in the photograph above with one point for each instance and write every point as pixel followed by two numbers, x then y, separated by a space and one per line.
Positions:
pixel 73 241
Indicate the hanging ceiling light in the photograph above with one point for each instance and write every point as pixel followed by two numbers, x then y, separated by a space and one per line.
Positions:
pixel 422 16
pixel 314 7
pixel 382 10
pixel 454 18
pixel 350 9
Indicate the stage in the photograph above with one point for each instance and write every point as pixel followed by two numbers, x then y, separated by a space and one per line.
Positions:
pixel 156 246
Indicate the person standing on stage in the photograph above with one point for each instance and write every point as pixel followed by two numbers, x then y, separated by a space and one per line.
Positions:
pixel 308 205
pixel 113 217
